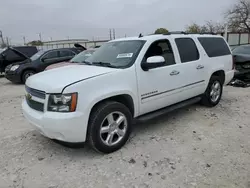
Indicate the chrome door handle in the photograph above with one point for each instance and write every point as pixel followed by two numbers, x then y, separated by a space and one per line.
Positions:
pixel 200 67
pixel 174 73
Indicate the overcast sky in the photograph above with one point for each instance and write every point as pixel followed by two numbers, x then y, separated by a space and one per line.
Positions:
pixel 93 18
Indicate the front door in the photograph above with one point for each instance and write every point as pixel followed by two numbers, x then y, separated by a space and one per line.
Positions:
pixel 158 86
pixel 49 58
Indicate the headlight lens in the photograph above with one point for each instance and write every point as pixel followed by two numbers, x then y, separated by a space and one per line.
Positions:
pixel 62 102
pixel 14 67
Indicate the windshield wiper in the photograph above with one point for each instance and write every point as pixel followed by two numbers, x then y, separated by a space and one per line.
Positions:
pixel 104 64
pixel 85 62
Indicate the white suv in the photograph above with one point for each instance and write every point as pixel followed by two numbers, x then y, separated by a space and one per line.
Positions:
pixel 127 79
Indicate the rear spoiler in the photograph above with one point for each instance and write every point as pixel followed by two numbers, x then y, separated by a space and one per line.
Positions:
pixel 77 45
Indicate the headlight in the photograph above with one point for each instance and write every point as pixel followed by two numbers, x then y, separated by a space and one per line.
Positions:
pixel 14 67
pixel 62 102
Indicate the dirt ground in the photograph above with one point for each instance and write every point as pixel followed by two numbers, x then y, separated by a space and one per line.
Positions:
pixel 192 147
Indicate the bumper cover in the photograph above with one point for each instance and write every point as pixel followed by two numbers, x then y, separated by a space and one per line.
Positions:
pixel 229 76
pixel 13 77
pixel 67 127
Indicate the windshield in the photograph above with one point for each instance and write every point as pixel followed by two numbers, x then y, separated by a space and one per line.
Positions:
pixel 81 57
pixel 242 50
pixel 37 55
pixel 118 54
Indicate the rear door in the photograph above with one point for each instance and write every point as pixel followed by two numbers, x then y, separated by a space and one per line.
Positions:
pixel 66 55
pixel 192 68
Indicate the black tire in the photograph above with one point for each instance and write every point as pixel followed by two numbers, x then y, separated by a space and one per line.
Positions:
pixel 97 119
pixel 206 98
pixel 26 74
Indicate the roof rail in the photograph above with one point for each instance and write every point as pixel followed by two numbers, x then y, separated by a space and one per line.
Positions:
pixel 176 32
pixel 203 33
pixel 186 33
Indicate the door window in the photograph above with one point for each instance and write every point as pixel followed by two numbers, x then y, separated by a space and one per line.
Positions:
pixel 161 48
pixel 51 55
pixel 187 49
pixel 66 53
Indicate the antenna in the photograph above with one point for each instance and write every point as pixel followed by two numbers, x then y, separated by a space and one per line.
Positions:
pixel 140 35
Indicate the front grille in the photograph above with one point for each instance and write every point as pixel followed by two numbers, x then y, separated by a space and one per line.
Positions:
pixel 35 92
pixel 35 105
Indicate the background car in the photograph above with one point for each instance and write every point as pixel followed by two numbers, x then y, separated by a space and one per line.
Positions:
pixel 241 56
pixel 15 54
pixel 19 72
pixel 81 57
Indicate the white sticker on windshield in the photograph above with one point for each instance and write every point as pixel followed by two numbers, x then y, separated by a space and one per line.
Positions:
pixel 88 55
pixel 124 55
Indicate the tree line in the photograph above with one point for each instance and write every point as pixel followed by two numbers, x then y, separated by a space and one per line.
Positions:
pixel 237 19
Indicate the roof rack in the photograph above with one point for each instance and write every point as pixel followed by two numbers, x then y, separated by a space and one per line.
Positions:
pixel 176 32
pixel 186 33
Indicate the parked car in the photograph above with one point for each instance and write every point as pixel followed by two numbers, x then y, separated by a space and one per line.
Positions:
pixel 19 72
pixel 79 58
pixel 242 62
pixel 127 79
pixel 15 54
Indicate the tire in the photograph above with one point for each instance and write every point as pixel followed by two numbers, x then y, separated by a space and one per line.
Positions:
pixel 105 116
pixel 208 99
pixel 27 74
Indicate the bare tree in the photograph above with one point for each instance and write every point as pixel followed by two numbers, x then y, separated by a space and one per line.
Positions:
pixel 209 27
pixel 239 16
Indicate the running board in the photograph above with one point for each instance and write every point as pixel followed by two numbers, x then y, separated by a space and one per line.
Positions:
pixel 168 109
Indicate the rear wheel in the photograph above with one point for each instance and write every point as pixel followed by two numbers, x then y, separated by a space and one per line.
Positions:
pixel 26 75
pixel 109 126
pixel 213 92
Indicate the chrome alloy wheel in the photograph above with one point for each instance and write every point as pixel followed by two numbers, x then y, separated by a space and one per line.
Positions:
pixel 113 128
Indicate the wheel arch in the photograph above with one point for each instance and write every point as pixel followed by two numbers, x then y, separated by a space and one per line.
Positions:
pixel 124 99
pixel 27 69
pixel 221 74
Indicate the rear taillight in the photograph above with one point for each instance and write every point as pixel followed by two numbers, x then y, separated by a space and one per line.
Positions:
pixel 233 62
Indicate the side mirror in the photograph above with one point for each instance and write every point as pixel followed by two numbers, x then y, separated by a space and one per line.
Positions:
pixel 153 62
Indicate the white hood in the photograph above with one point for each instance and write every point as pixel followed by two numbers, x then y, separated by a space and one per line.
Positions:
pixel 55 80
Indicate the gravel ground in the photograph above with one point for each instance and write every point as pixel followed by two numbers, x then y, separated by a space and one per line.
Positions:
pixel 192 147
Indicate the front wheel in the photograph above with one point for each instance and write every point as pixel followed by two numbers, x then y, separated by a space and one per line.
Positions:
pixel 26 75
pixel 213 92
pixel 109 127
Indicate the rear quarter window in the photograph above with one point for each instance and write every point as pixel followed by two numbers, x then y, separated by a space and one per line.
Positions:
pixel 214 47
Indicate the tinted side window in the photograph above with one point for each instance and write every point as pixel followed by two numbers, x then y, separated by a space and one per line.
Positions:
pixel 187 49
pixel 66 53
pixel 51 55
pixel 214 47
pixel 161 48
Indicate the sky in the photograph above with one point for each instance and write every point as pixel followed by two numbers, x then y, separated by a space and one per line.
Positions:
pixel 60 19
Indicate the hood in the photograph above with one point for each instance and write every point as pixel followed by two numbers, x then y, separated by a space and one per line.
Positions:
pixel 18 52
pixel 57 65
pixel 55 80
pixel 22 62
pixel 241 58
